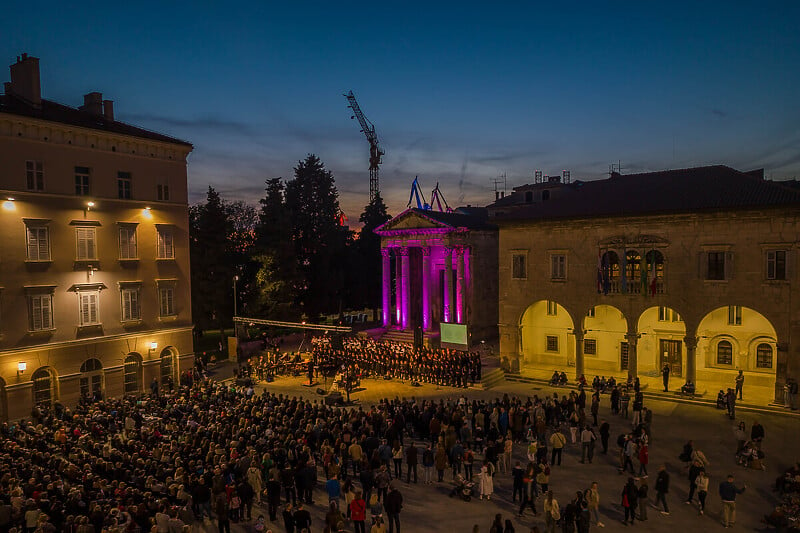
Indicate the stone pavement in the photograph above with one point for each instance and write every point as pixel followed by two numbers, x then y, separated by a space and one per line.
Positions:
pixel 428 507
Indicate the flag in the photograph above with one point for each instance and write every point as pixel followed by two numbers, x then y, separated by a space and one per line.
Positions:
pixel 653 276
pixel 624 271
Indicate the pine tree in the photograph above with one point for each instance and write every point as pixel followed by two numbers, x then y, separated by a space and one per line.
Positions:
pixel 367 255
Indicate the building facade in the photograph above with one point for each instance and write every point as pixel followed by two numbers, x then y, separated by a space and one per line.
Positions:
pixel 693 268
pixel 94 253
pixel 440 267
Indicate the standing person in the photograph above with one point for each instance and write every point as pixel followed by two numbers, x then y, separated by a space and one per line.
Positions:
pixel 302 518
pixel 518 475
pixel 552 513
pixel 485 481
pixel 288 518
pixel 757 434
pixel 411 462
pixel 427 464
pixel 665 376
pixel 397 458
pixel 529 490
pixel 221 508
pixel 587 444
pixel 630 495
pixel 605 433
pixel 701 482
pixel 273 497
pixel 358 513
pixel 595 408
pixel 727 493
pixel 593 503
pixel 557 442
pixel 739 384
pixel 644 458
pixel 642 499
pixel 469 459
pixel 662 488
pixel 441 462
pixel 694 471
pixel 393 505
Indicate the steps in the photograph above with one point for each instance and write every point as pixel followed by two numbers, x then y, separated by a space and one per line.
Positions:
pixel 491 378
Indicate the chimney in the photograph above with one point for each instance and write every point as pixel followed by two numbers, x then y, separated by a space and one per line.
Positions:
pixel 108 110
pixel 93 103
pixel 25 81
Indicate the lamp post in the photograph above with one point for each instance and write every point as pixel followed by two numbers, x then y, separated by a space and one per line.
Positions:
pixel 235 305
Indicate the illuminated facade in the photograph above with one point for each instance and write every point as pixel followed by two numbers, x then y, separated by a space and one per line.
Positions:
pixel 691 267
pixel 439 267
pixel 94 253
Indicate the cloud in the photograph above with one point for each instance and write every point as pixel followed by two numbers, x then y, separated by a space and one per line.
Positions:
pixel 202 123
pixel 719 113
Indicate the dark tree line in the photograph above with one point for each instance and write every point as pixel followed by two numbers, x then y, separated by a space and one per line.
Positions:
pixel 292 254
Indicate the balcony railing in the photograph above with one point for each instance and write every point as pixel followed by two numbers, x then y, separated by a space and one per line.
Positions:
pixel 635 287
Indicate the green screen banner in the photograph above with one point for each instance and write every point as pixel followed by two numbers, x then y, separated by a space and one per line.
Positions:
pixel 453 335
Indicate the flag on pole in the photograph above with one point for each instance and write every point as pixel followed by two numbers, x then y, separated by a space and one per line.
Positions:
pixel 653 275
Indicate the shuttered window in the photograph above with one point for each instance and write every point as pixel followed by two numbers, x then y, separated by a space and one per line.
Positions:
pixel 128 248
pixel 166 298
pixel 130 304
pixel 89 307
pixel 38 241
pixel 166 249
pixel 40 312
pixel 87 243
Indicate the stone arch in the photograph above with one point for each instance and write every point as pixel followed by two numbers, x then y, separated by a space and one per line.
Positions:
pixel 604 339
pixel 746 329
pixel 132 373
pixel 661 331
pixel 546 335
pixel 45 386
pixel 168 365
pixel 91 380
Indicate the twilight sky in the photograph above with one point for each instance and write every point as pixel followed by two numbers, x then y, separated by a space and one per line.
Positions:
pixel 460 92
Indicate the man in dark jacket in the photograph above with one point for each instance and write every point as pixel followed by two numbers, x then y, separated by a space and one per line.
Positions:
pixel 727 493
pixel 662 488
pixel 273 498
pixel 302 518
pixel 287 482
pixel 411 461
pixel 393 504
pixel 246 494
pixel 605 433
pixel 517 473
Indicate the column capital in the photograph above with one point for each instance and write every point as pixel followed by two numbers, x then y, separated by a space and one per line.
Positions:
pixel 449 248
pixel 386 252
pixel 579 334
pixel 426 251
pixel 401 250
pixel 632 338
pixel 691 342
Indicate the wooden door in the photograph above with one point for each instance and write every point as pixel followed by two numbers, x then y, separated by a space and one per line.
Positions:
pixel 671 353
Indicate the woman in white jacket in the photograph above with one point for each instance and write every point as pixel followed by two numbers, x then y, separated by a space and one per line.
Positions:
pixel 485 481
pixel 701 482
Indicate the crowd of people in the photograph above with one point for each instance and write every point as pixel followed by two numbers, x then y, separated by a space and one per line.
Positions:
pixel 441 366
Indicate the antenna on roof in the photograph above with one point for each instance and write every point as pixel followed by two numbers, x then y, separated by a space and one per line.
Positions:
pixel 615 169
pixel 499 193
pixel 537 176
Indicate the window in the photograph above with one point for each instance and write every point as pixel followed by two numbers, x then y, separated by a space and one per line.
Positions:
pixel 724 353
pixel 734 315
pixel 165 247
pixel 776 264
pixel 40 312
pixel 82 182
pixel 519 267
pixel 124 185
pixel 130 304
pixel 633 271
pixel 132 374
pixel 591 312
pixel 166 298
pixel 552 343
pixel 91 377
pixel 87 244
pixel 666 314
pixel 558 266
pixel 163 192
pixel 127 242
pixel 552 308
pixel 34 175
pixel 716 266
pixel 166 366
pixel 590 347
pixel 764 356
pixel 43 384
pixel 38 242
pixel 89 303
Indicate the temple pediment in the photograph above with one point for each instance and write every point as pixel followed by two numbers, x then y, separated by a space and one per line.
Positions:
pixel 411 220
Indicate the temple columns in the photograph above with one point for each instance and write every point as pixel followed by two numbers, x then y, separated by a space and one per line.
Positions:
pixel 460 285
pixel 448 284
pixel 426 288
pixel 386 290
pixel 406 288
pixel 398 287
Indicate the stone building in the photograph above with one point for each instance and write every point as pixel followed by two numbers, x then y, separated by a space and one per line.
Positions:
pixel 94 275
pixel 693 267
pixel 440 267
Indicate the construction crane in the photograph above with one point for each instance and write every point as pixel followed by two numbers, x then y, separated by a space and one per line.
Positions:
pixel 416 193
pixel 437 197
pixel 375 152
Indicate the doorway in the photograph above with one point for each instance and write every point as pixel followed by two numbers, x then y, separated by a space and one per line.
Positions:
pixel 670 353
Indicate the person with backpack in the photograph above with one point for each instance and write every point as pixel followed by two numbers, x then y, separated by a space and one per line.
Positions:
pixel 557 442
pixel 630 496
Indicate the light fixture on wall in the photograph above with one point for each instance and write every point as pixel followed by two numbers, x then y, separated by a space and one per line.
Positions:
pixel 153 346
pixel 147 213
pixel 9 204
pixel 22 366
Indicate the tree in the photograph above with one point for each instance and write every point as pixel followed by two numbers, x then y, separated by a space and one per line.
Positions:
pixel 367 255
pixel 319 240
pixel 212 265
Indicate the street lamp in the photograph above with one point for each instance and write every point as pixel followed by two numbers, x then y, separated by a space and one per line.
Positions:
pixel 235 302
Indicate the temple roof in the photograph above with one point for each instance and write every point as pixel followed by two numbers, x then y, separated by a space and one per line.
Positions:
pixel 461 219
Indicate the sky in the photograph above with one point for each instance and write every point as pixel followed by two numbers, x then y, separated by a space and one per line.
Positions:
pixel 460 93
